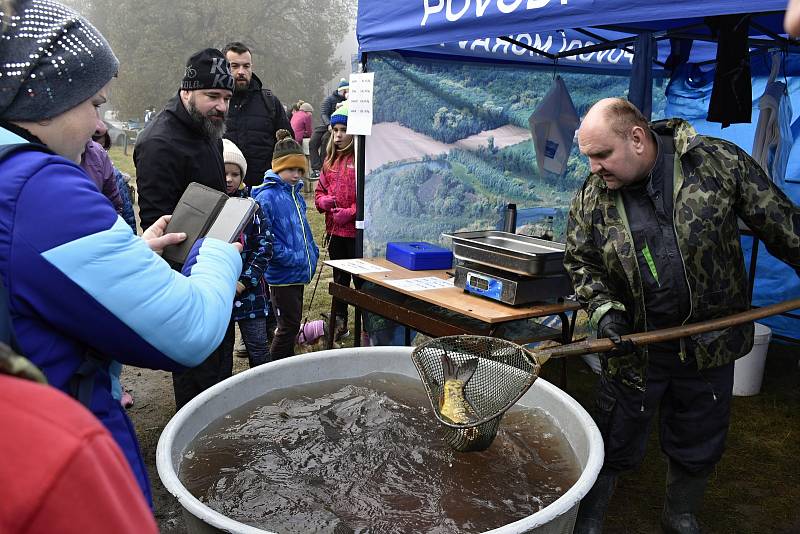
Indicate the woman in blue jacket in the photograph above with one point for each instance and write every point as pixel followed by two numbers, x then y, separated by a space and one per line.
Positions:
pixel 294 252
pixel 83 290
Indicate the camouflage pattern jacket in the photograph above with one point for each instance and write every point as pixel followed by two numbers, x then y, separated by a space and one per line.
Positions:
pixel 714 183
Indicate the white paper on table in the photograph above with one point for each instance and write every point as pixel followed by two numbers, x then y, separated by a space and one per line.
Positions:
pixel 421 284
pixel 356 266
pixel 359 102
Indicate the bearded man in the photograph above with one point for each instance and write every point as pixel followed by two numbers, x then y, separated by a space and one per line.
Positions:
pixel 183 144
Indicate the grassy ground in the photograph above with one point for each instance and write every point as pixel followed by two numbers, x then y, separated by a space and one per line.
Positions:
pixel 755 488
pixel 122 161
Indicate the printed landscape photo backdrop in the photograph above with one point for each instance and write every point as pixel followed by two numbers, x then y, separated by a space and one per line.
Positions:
pixel 450 148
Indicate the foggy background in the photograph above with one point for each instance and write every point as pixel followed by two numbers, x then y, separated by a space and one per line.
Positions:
pixel 300 48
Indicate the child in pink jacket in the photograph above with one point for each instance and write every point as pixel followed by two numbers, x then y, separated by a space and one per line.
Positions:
pixel 335 196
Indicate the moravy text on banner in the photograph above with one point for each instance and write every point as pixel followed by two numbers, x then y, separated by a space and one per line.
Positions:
pixel 553 43
pixel 432 7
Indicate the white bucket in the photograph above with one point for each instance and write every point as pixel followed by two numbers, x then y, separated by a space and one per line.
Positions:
pixel 749 369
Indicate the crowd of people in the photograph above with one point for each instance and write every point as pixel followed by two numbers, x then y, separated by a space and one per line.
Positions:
pixel 83 293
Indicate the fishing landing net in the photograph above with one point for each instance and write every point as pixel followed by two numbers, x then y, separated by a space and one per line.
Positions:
pixel 504 372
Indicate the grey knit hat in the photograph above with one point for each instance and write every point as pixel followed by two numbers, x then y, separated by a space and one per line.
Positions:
pixel 51 60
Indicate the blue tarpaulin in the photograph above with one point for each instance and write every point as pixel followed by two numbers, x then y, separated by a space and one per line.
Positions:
pixel 409 25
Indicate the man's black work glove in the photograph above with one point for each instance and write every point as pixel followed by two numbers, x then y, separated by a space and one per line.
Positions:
pixel 613 325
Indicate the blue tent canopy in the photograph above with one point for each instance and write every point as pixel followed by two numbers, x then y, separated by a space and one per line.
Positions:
pixel 573 33
pixel 578 50
pixel 597 37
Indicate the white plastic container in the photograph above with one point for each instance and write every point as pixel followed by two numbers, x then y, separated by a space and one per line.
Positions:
pixel 749 369
pixel 576 424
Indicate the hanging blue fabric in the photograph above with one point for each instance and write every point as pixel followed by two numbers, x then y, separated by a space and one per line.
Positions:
pixel 640 90
pixel 773 138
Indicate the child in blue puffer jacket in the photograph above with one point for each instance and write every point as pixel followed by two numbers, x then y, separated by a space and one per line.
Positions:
pixel 295 254
pixel 251 306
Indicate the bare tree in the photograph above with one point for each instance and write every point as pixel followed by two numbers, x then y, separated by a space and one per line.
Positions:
pixel 293 43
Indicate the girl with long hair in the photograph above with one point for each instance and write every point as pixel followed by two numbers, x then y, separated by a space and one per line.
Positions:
pixel 335 196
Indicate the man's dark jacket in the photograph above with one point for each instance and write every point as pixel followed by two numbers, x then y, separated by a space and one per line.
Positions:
pixel 254 116
pixel 329 106
pixel 170 153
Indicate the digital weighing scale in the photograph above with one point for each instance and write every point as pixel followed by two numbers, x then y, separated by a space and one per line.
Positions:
pixel 510 268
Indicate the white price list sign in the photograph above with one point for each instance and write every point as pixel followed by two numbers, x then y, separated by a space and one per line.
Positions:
pixel 359 100
pixel 421 284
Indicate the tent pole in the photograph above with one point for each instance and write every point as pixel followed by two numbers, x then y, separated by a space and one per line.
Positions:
pixel 360 171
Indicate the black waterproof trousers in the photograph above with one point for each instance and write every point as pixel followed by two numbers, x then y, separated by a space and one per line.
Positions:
pixel 216 368
pixel 317 147
pixel 694 413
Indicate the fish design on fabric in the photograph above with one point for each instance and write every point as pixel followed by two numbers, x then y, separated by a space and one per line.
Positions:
pixel 453 404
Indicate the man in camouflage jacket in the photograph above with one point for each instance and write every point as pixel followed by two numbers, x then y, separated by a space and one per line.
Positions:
pixel 653 242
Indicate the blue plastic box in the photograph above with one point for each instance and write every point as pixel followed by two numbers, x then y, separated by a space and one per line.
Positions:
pixel 419 256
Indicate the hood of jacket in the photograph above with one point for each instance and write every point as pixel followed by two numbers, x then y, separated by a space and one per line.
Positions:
pixel 271 179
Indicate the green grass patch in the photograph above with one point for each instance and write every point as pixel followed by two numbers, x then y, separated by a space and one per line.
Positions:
pixel 122 161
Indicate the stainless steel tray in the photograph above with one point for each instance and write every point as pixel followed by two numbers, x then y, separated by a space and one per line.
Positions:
pixel 519 254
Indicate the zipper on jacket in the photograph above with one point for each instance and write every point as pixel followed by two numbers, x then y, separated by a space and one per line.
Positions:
pixel 303 229
pixel 675 194
pixel 624 216
pixel 710 385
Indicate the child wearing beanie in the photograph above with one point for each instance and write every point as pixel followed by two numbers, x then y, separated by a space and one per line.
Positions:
pixel 335 196
pixel 251 306
pixel 295 253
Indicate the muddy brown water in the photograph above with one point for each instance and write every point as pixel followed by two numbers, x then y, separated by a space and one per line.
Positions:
pixel 366 456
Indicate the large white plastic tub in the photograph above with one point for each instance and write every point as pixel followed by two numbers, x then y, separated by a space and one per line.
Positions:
pixel 217 401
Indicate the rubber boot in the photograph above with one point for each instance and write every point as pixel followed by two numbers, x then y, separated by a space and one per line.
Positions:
pixel 683 499
pixel 592 509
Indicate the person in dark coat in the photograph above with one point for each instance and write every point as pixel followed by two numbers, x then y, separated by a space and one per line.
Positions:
pixel 255 115
pixel 319 140
pixel 183 144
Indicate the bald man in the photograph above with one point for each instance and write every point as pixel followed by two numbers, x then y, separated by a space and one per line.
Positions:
pixel 653 242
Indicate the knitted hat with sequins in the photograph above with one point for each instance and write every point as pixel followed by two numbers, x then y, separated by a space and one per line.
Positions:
pixel 51 60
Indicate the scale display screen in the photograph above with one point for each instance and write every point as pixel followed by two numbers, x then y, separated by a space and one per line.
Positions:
pixel 484 285
pixel 479 283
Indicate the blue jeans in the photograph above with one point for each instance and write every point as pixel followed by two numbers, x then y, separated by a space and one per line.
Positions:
pixel 257 336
